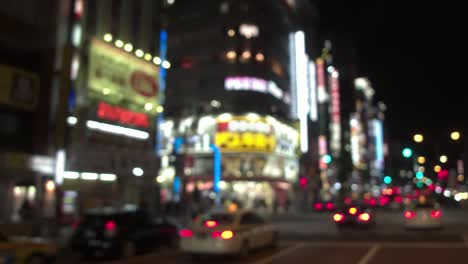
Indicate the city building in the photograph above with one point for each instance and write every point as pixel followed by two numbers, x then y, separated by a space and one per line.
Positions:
pixel 230 86
pixel 27 113
pixel 112 86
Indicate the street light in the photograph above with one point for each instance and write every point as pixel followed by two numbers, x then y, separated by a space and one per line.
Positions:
pixel 421 160
pixel 418 138
pixel 437 168
pixel 455 135
pixel 443 159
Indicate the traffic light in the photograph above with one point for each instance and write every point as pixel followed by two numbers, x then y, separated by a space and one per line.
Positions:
pixel 387 179
pixel 327 159
pixel 419 175
pixel 407 153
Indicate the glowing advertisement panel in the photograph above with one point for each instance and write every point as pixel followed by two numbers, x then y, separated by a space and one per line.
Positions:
pixel 335 124
pixel 243 135
pixel 313 92
pixel 120 78
pixel 322 95
pixel 379 144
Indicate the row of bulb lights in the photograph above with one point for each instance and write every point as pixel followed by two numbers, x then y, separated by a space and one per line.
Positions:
pixel 128 47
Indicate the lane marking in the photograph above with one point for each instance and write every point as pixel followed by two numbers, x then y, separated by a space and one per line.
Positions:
pixel 279 254
pixel 370 254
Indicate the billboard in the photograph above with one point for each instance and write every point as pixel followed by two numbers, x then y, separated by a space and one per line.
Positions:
pixel 120 78
pixel 241 134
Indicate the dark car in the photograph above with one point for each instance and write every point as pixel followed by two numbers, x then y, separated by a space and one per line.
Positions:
pixel 354 215
pixel 122 234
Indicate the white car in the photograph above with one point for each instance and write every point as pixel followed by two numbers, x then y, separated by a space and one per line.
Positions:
pixel 221 233
pixel 423 216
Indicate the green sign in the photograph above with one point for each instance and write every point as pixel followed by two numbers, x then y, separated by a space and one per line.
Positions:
pixel 120 78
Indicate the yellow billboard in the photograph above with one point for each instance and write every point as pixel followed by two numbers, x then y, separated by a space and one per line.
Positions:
pixel 243 135
pixel 120 78
pixel 18 88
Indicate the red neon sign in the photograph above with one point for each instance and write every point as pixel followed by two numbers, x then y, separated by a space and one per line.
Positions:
pixel 121 115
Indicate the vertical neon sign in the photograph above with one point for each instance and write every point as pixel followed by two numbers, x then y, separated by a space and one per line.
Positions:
pixel 335 125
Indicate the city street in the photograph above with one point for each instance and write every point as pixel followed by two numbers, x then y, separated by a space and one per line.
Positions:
pixel 314 239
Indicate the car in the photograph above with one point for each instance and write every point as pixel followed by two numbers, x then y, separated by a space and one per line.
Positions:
pixel 357 215
pixel 112 233
pixel 423 216
pixel 321 206
pixel 26 250
pixel 223 233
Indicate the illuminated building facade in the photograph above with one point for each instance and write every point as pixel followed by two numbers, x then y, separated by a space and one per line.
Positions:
pixel 112 100
pixel 230 85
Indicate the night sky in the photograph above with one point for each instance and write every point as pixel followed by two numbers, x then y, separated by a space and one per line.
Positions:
pixel 414 55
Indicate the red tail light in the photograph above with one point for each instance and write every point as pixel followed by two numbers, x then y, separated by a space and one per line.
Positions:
pixel 365 217
pixel 338 217
pixel 409 214
pixel 110 228
pixel 347 200
pixel 211 224
pixel 398 199
pixel 329 206
pixel 226 235
pixel 318 206
pixel 352 211
pixel 436 214
pixel 110 225
pixel 186 233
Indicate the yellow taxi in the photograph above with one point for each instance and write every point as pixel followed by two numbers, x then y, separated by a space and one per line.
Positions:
pixel 26 250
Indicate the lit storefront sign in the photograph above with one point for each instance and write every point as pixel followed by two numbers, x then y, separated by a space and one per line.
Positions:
pixel 240 134
pixel 313 92
pixel 356 142
pixel 119 78
pixel 335 125
pixel 299 84
pixel 117 130
pixel 121 115
pixel 322 95
pixel 379 144
pixel 253 84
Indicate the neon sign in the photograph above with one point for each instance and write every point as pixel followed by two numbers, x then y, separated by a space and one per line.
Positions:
pixel 121 115
pixel 245 83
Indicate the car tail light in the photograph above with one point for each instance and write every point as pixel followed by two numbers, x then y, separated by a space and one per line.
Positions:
pixel 398 199
pixel 338 217
pixel 110 228
pixel 318 206
pixel 348 200
pixel 330 206
pixel 436 214
pixel 211 224
pixel 409 214
pixel 365 217
pixel 352 211
pixel 186 233
pixel 226 235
